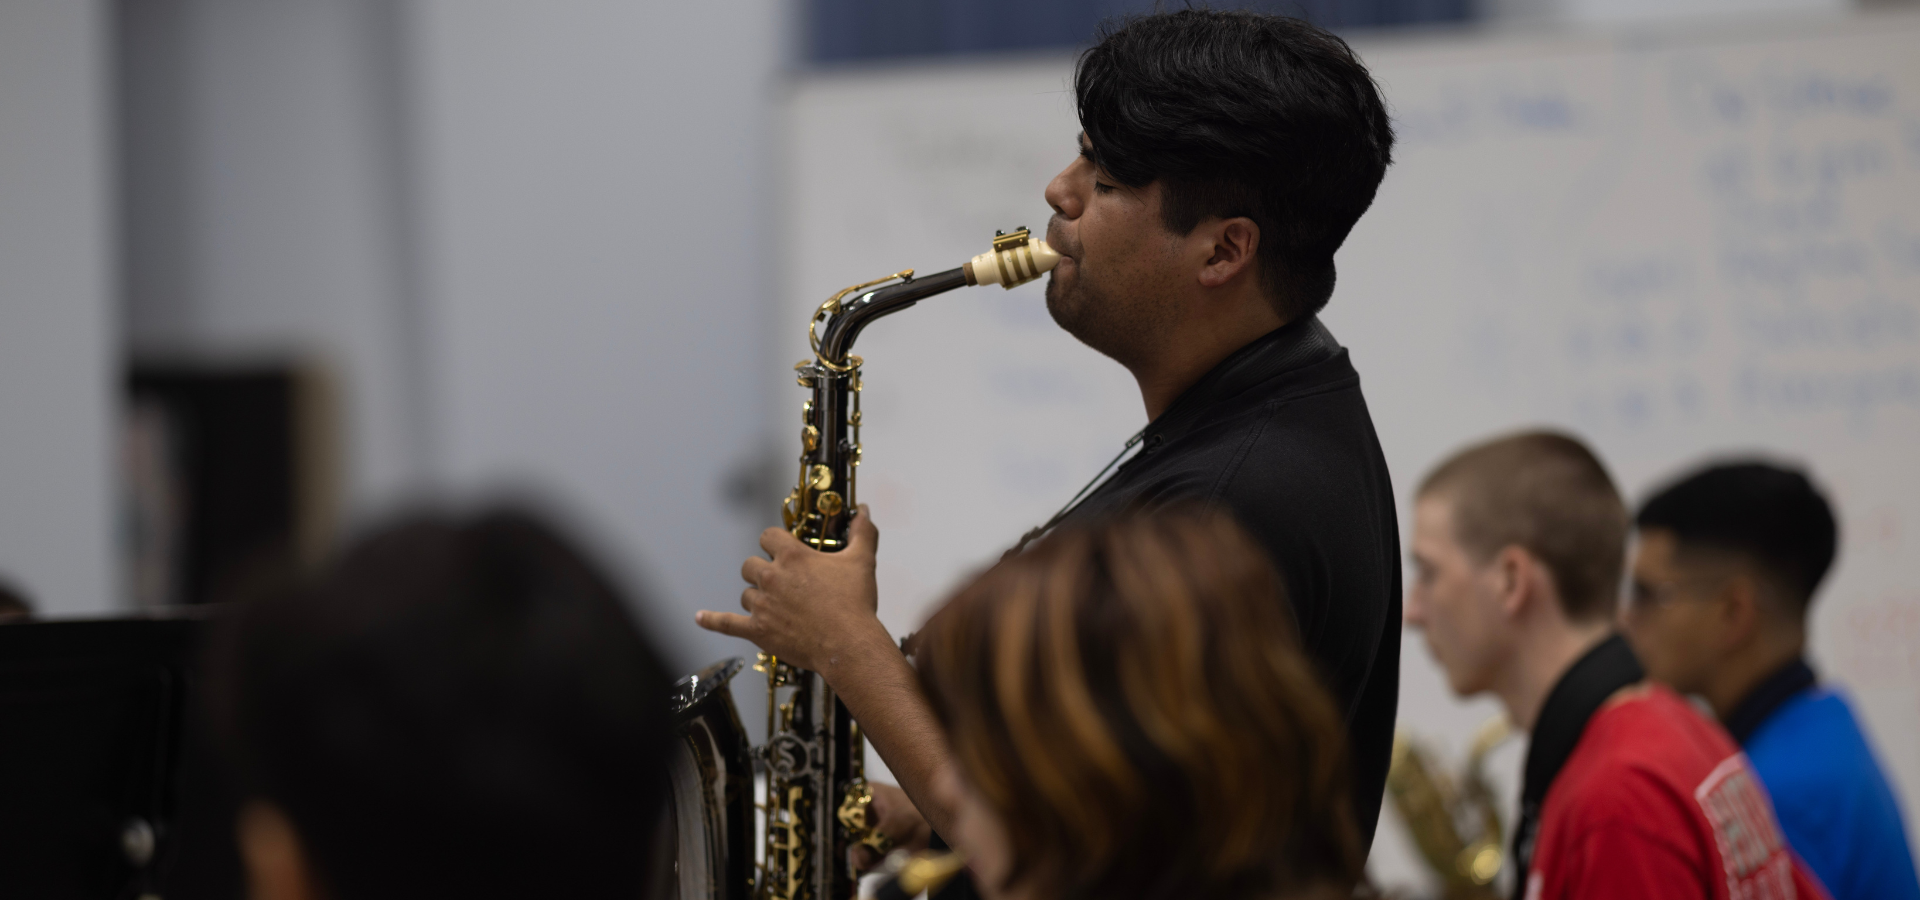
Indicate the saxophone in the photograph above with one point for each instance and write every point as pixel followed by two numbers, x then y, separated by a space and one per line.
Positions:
pixel 1456 827
pixel 817 796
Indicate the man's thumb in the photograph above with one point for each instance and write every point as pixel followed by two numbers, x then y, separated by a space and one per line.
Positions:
pixel 862 535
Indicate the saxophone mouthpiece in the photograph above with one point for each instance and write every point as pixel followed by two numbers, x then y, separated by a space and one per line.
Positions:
pixel 1014 260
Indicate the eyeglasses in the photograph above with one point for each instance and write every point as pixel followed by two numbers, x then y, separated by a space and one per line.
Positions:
pixel 1647 595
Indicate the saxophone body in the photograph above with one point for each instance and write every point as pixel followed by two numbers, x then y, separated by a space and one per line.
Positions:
pixel 1455 825
pixel 816 797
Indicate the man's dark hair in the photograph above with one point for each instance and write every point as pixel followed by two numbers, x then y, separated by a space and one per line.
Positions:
pixel 1242 114
pixel 1769 515
pixel 460 707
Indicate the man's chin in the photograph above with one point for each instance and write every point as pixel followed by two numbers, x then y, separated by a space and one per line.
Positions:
pixel 1457 681
pixel 1056 303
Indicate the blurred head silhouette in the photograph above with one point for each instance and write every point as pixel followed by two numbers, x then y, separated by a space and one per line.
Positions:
pixel 460 706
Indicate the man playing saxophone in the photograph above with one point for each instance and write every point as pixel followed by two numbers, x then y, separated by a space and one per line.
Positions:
pixel 1223 159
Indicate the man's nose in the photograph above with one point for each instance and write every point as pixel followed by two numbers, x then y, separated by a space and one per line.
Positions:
pixel 1061 197
pixel 1413 612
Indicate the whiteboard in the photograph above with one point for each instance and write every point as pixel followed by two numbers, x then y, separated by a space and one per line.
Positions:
pixel 1675 243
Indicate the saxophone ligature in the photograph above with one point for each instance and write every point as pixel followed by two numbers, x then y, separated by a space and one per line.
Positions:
pixel 817 796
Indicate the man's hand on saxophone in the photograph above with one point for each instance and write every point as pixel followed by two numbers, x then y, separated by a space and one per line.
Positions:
pixel 816 611
pixel 808 607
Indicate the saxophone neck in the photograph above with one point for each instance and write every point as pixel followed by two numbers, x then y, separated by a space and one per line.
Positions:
pixel 853 314
pixel 1014 260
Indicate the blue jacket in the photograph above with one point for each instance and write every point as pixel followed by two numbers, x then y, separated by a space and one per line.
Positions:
pixel 1834 805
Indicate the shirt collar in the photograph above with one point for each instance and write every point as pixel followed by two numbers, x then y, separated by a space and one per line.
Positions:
pixel 1760 703
pixel 1579 693
pixel 1292 346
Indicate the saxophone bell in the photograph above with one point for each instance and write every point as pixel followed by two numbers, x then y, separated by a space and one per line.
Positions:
pixel 1455 824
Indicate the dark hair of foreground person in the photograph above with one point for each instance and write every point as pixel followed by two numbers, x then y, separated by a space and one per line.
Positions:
pixel 460 706
pixel 1131 702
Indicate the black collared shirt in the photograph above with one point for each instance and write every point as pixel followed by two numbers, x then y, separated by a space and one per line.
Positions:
pixel 1759 704
pixel 1279 434
pixel 1579 693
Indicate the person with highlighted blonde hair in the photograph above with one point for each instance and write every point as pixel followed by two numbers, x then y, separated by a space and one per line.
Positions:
pixel 1132 717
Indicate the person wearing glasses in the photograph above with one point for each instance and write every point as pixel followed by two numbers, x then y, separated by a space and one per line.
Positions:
pixel 1729 560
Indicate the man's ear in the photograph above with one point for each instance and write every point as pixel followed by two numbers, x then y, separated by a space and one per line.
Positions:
pixel 1736 610
pixel 1233 245
pixel 276 861
pixel 1513 580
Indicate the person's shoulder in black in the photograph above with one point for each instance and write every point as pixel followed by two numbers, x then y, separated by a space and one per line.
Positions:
pixel 1279 433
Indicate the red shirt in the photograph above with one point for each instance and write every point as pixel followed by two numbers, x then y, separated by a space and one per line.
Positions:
pixel 1657 802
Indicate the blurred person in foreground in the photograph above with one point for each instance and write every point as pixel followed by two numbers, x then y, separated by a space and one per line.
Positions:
pixel 1132 718
pixel 1628 792
pixel 458 707
pixel 1728 562
pixel 1223 158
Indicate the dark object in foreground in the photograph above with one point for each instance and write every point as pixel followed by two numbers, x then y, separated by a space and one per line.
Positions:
pixel 109 790
pixel 460 705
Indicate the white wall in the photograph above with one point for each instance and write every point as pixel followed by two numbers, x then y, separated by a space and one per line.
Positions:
pixel 56 342
pixel 527 238
pixel 266 210
pixel 594 194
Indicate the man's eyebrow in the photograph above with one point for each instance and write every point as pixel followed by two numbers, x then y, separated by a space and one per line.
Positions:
pixel 1086 147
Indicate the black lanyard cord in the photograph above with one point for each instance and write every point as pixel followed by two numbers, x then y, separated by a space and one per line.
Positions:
pixel 1074 503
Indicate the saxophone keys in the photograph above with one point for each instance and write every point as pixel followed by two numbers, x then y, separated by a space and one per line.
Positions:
pixel 809 437
pixel 829 504
pixel 820 478
pixel 856 816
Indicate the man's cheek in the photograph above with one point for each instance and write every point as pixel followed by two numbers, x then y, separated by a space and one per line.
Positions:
pixel 1432 635
pixel 1659 655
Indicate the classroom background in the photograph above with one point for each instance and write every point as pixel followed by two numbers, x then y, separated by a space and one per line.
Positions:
pixel 270 269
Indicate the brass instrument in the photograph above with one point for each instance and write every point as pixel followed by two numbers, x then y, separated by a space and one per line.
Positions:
pixel 910 876
pixel 817 796
pixel 709 827
pixel 1457 828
